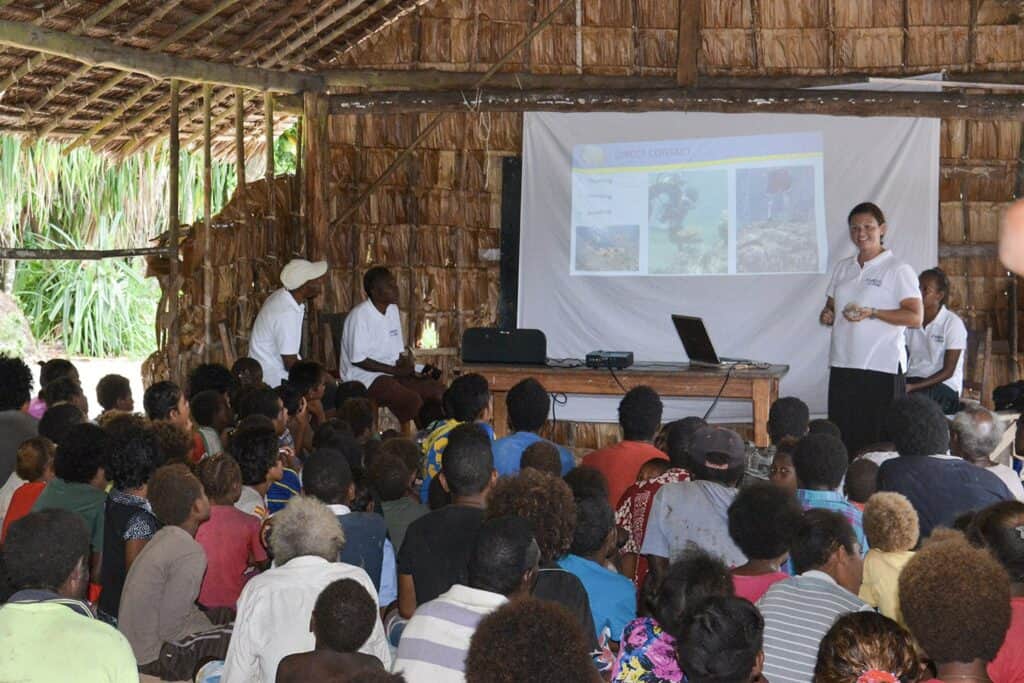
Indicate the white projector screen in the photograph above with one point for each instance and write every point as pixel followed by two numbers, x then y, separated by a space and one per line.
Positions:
pixel 629 218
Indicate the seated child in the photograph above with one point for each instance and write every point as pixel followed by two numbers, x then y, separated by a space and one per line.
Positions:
pixel 358 413
pixel 343 619
pixel 170 636
pixel 783 474
pixel 309 379
pixel 468 399
pixel 612 595
pixel 35 466
pixel 248 372
pixel 114 392
pixel 543 456
pixel 391 479
pixel 891 526
pixel 861 482
pixel 175 445
pixel 762 521
pixel 211 415
pixel 231 538
pixel 254 447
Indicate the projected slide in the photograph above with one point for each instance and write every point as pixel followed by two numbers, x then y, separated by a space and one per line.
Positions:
pixel 706 206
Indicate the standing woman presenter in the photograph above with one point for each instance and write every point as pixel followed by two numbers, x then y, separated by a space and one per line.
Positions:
pixel 872 298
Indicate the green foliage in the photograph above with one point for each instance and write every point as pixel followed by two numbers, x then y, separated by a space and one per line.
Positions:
pixel 94 308
pixel 89 201
pixel 286 151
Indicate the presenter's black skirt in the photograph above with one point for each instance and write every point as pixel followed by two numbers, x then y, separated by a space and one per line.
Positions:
pixel 858 401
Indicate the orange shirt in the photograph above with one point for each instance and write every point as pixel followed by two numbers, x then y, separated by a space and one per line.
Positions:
pixel 620 464
pixel 21 503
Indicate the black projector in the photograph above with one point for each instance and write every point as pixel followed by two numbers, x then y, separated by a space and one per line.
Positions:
pixel 615 360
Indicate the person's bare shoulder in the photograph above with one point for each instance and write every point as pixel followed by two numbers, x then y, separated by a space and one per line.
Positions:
pixel 325 665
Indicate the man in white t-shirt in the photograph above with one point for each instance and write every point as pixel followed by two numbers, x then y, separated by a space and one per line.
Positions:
pixel 373 352
pixel 277 332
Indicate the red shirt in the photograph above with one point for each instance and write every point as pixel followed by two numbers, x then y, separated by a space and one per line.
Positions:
pixel 21 503
pixel 635 510
pixel 1009 663
pixel 231 539
pixel 753 587
pixel 620 464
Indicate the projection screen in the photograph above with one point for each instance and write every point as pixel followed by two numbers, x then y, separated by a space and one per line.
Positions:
pixel 629 218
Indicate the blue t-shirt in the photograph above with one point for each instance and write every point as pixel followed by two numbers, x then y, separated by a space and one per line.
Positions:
pixel 508 451
pixel 612 595
pixel 433 451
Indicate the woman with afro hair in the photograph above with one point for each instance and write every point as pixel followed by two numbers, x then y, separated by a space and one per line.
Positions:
pixel 546 502
pixel 956 603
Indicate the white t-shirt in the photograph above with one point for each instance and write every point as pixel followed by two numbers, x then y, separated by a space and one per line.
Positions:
pixel 927 347
pixel 870 344
pixel 1009 477
pixel 277 332
pixel 368 334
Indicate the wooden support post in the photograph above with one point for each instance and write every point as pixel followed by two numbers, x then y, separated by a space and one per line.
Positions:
pixel 207 225
pixel 245 258
pixel 689 42
pixel 317 158
pixel 270 221
pixel 174 288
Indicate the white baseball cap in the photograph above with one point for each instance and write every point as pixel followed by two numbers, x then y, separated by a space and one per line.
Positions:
pixel 298 272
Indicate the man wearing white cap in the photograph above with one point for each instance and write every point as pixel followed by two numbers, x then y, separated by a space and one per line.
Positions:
pixel 277 332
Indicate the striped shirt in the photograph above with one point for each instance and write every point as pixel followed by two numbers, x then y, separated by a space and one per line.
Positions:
pixel 797 614
pixel 434 644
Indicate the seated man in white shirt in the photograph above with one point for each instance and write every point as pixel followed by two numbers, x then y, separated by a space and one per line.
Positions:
pixel 277 332
pixel 373 352
pixel 275 607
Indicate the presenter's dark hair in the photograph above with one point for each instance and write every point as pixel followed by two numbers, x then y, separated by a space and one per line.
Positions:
pixel 373 276
pixel 941 281
pixel 640 413
pixel 867 207
pixel 528 405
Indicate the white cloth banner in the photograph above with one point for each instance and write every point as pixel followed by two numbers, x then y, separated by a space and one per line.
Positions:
pixel 584 305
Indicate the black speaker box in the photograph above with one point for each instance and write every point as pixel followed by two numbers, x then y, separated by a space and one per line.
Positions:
pixel 493 345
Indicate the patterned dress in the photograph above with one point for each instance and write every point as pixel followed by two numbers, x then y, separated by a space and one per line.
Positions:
pixel 646 655
pixel 634 511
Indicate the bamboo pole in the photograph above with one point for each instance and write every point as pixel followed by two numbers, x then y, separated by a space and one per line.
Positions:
pixel 268 139
pixel 173 341
pixel 688 43
pixel 207 225
pixel 245 263
pixel 981 107
pixel 19 254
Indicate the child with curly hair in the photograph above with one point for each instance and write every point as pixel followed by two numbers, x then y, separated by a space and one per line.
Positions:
pixel 890 524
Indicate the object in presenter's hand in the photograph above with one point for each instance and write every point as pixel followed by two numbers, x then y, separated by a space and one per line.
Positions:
pixel 430 372
pixel 405 365
pixel 855 313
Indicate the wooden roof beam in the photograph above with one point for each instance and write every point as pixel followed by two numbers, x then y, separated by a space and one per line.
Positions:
pixel 216 9
pixel 100 53
pixel 275 59
pixel 67 80
pixel 435 79
pixel 724 100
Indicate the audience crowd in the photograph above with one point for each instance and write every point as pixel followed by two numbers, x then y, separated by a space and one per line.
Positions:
pixel 246 533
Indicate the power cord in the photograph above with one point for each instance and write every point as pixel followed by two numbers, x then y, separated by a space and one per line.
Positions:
pixel 615 377
pixel 728 374
pixel 558 398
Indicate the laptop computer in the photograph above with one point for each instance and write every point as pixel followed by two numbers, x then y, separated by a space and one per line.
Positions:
pixel 697 343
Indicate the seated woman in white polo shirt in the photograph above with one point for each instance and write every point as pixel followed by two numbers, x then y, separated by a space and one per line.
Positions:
pixel 872 297
pixel 936 349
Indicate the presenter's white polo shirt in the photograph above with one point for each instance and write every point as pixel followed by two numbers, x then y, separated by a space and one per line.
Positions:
pixel 277 332
pixel 883 282
pixel 369 334
pixel 927 347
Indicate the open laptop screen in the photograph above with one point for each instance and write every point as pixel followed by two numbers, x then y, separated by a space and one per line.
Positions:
pixel 695 339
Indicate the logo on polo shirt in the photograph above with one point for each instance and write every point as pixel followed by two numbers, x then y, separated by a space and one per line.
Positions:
pixel 873 281
pixel 939 338
pixel 393 333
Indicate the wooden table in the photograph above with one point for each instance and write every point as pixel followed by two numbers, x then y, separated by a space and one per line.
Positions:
pixel 760 385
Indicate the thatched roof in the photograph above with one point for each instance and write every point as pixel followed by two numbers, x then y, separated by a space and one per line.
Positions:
pixel 45 95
